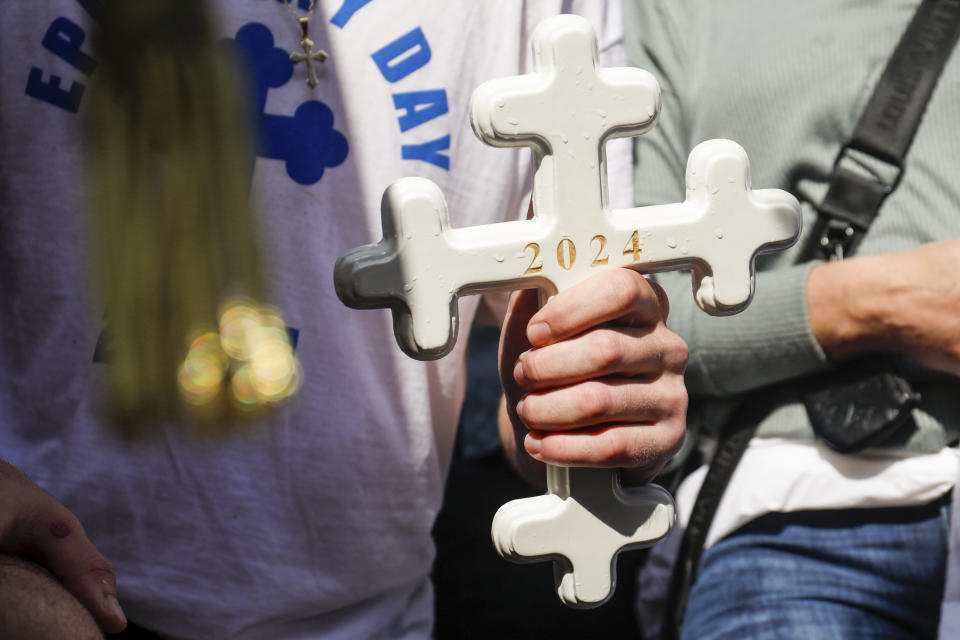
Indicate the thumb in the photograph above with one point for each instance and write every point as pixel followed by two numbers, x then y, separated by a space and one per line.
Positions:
pixel 54 537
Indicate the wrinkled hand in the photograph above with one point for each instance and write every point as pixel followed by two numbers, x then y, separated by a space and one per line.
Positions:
pixel 907 302
pixel 34 525
pixel 595 378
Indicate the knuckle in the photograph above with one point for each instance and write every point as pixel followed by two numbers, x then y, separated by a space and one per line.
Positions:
pixel 675 395
pixel 662 299
pixel 618 448
pixel 650 450
pixel 676 434
pixel 607 349
pixel 594 402
pixel 623 287
pixel 91 565
pixel 632 448
pixel 676 352
pixel 102 571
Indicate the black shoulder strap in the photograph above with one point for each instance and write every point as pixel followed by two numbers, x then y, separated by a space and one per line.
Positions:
pixel 729 451
pixel 868 168
pixel 882 137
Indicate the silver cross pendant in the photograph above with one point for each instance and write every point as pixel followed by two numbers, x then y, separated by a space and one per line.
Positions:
pixel 308 55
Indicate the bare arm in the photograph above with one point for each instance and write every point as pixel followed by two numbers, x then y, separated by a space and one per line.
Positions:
pixel 907 302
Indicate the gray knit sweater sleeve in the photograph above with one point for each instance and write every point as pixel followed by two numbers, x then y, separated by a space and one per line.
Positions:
pixel 787 81
pixel 771 340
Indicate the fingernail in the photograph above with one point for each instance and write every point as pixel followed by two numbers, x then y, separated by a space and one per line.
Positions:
pixel 532 445
pixel 519 408
pixel 518 372
pixel 112 606
pixel 538 333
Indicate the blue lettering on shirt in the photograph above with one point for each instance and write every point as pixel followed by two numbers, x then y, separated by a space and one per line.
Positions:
pixel 397 60
pixel 403 56
pixel 64 38
pixel 428 152
pixel 305 141
pixel 346 11
pixel 420 107
pixel 50 91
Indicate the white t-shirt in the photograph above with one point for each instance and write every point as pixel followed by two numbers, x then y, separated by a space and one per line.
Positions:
pixel 318 524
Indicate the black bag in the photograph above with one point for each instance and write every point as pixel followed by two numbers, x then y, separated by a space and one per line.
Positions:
pixel 860 405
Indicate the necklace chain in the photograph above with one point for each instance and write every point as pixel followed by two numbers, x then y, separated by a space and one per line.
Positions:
pixel 293 12
pixel 309 56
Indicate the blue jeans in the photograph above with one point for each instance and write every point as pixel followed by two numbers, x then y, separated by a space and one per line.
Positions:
pixel 819 575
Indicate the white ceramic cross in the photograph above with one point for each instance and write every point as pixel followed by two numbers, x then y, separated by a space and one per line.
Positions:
pixel 566 111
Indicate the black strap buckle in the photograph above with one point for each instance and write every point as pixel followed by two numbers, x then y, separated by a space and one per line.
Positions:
pixel 836 239
pixel 858 186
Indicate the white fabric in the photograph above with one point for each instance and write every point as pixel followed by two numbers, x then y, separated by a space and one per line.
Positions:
pixel 779 475
pixel 318 524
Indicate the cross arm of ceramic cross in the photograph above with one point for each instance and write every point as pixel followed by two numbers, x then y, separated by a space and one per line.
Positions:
pixel 566 110
pixel 584 526
pixel 597 102
pixel 719 229
pixel 422 265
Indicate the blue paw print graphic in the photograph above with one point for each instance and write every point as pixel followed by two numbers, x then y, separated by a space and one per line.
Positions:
pixel 305 141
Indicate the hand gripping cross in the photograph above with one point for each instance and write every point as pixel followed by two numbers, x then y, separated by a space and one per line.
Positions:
pixel 566 110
